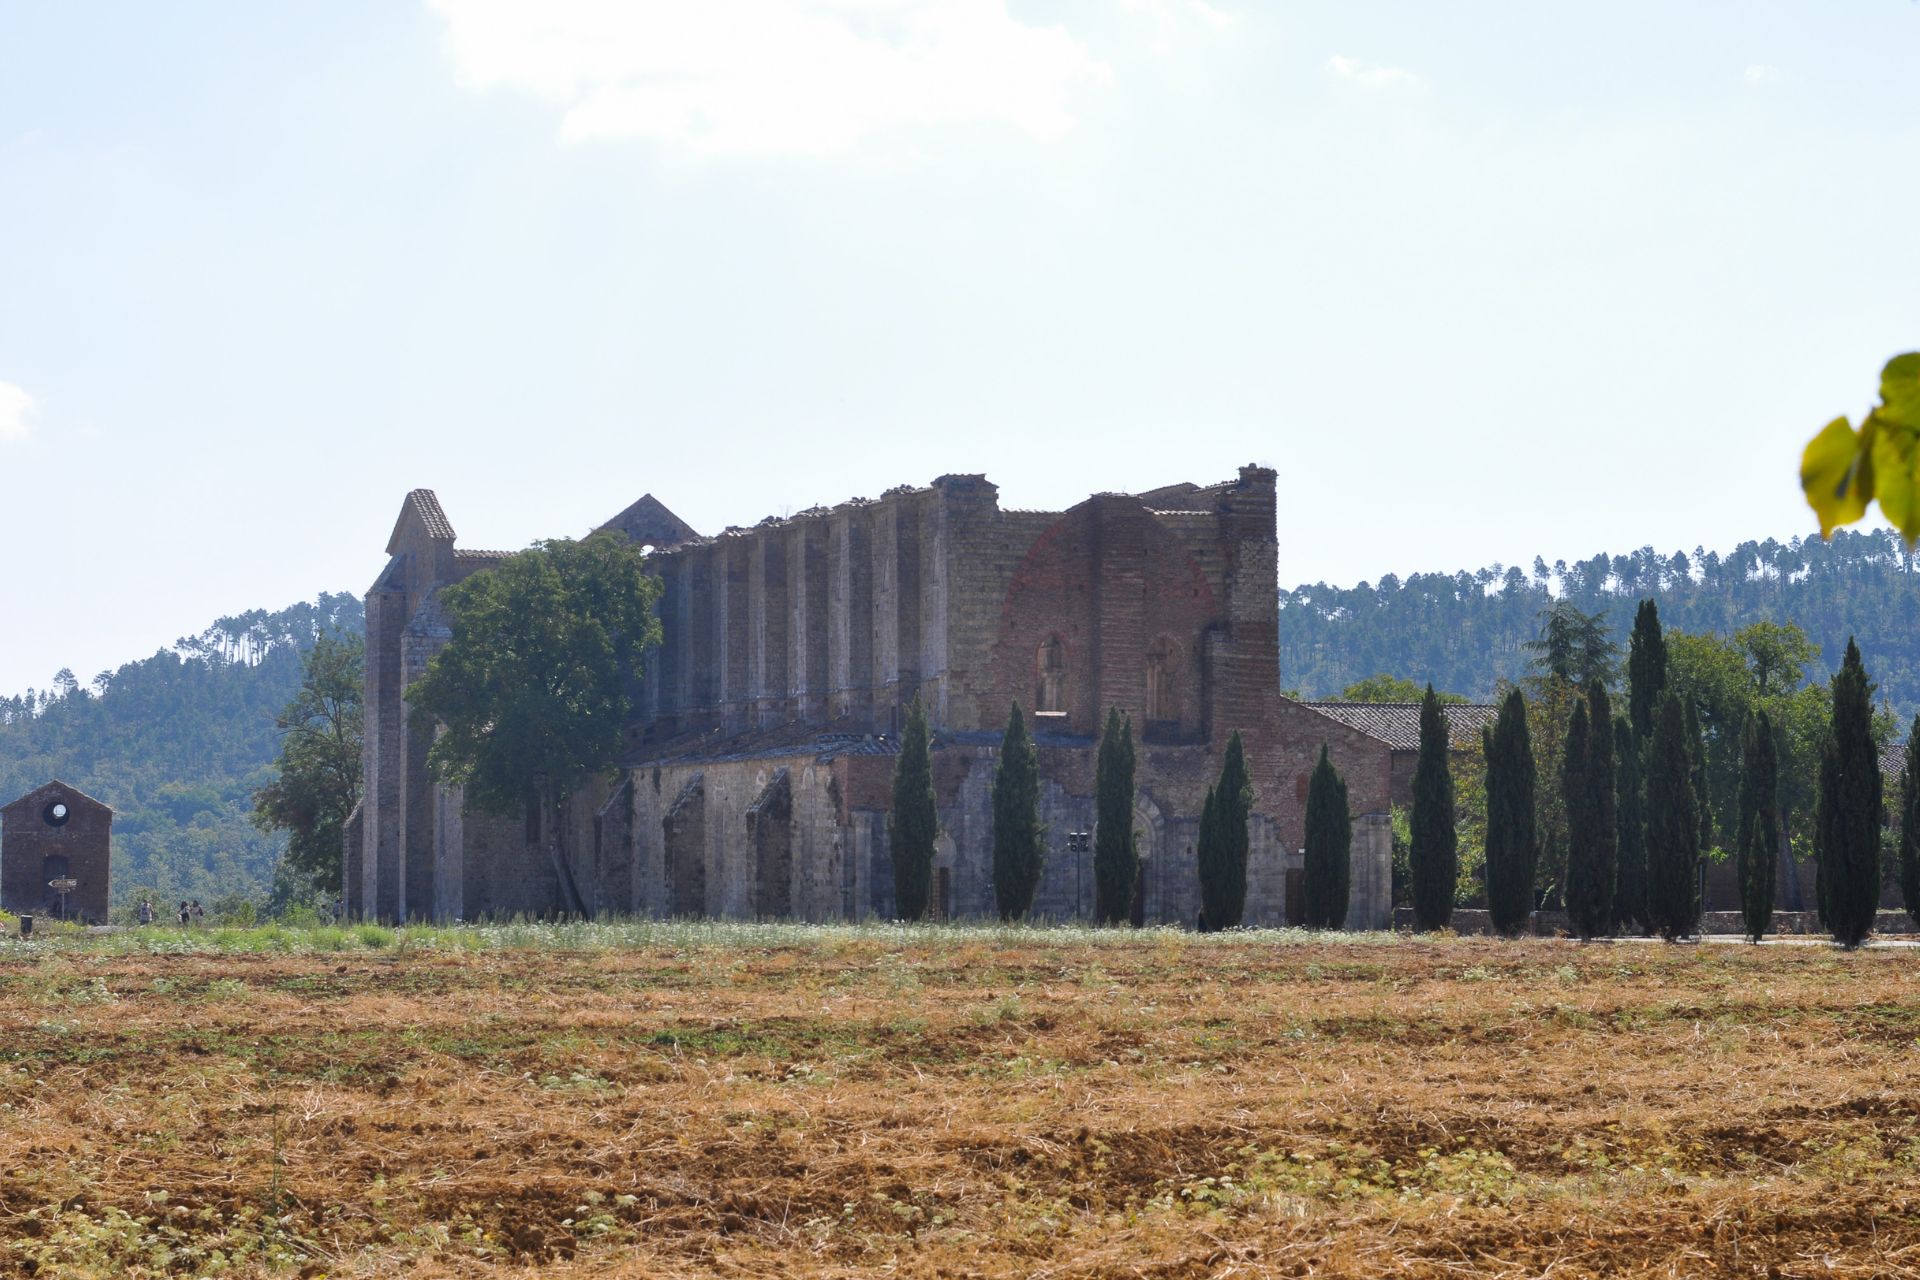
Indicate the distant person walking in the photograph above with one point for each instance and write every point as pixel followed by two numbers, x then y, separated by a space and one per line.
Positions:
pixel 146 911
pixel 186 916
pixel 198 914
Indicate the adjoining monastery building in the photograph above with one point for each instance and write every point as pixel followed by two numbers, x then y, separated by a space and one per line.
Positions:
pixel 757 777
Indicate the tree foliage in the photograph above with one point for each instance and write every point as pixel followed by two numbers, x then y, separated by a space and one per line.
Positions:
pixel 913 822
pixel 1328 859
pixel 1646 667
pixel 1115 862
pixel 1466 630
pixel 1222 852
pixel 1019 841
pixel 1850 808
pixel 1590 782
pixel 1573 645
pixel 1843 471
pixel 1388 688
pixel 1434 852
pixel 1910 822
pixel 1512 841
pixel 1630 878
pixel 1673 825
pixel 1757 839
pixel 316 779
pixel 540 679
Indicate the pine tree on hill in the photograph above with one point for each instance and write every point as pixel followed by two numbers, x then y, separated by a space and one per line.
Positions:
pixel 1019 843
pixel 1115 862
pixel 1513 847
pixel 1646 668
pixel 1630 884
pixel 1910 823
pixel 914 822
pixel 1329 848
pixel 1851 808
pixel 1224 842
pixel 1757 842
pixel 1673 826
pixel 1591 784
pixel 1433 860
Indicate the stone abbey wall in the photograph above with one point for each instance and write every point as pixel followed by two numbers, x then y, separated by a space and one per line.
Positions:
pixel 757 776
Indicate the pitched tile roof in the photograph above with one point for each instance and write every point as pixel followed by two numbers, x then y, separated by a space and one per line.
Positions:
pixel 1398 723
pixel 1893 760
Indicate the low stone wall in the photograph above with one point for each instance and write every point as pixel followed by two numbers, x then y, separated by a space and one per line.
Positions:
pixel 1548 924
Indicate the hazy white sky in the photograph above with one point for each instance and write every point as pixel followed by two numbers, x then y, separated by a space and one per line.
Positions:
pixel 1483 280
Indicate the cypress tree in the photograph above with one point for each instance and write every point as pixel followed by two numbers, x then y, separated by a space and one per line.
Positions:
pixel 1019 842
pixel 1630 884
pixel 1910 823
pixel 1702 788
pixel 1580 822
pixel 1224 843
pixel 1513 844
pixel 1329 847
pixel 1114 861
pixel 1757 840
pixel 914 821
pixel 1673 825
pixel 1591 865
pixel 1646 669
pixel 1433 859
pixel 1852 803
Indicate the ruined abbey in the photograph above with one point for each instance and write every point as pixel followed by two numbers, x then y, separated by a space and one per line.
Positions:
pixel 757 775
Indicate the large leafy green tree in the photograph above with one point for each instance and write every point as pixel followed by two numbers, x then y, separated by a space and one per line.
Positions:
pixel 913 823
pixel 1910 823
pixel 316 779
pixel 1019 841
pixel 1673 825
pixel 1630 881
pixel 1386 688
pixel 540 679
pixel 1757 840
pixel 1512 844
pixel 1850 808
pixel 1590 781
pixel 1222 853
pixel 1115 861
pixel 1573 645
pixel 1434 852
pixel 1329 848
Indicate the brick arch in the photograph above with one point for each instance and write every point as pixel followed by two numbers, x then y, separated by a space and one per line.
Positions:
pixel 1109 578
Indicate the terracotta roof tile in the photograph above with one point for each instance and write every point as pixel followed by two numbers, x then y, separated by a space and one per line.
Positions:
pixel 1398 723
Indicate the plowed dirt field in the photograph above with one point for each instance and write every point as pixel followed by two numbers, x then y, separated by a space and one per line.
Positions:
pixel 955 1103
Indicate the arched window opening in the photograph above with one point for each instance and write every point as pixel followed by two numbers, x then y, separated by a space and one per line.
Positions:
pixel 1052 663
pixel 1163 680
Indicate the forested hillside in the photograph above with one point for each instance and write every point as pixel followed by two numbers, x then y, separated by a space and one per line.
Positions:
pixel 1465 631
pixel 176 744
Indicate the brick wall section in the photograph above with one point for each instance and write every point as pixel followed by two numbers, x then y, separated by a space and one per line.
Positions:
pixel 30 835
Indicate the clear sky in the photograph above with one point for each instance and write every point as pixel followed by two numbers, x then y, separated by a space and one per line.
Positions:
pixel 1482 280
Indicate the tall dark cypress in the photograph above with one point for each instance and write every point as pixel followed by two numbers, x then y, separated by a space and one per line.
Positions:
pixel 1513 843
pixel 1580 823
pixel 1630 882
pixel 1114 860
pixel 1646 668
pixel 1433 859
pixel 1851 804
pixel 914 822
pixel 1910 823
pixel 1224 842
pixel 1757 840
pixel 1329 847
pixel 1019 843
pixel 1592 805
pixel 1673 825
pixel 1702 784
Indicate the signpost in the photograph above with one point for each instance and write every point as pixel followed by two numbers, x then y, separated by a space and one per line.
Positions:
pixel 63 886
